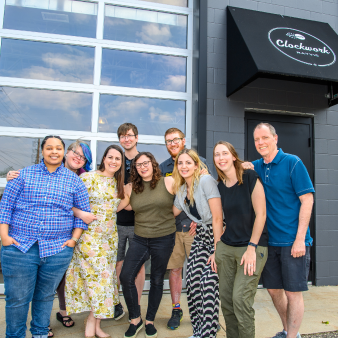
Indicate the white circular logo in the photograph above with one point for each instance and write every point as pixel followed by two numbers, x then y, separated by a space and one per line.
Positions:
pixel 302 47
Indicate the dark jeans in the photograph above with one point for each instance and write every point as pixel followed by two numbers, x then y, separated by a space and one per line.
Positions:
pixel 31 279
pixel 159 249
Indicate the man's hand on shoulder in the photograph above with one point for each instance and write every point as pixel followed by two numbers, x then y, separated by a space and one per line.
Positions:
pixel 248 165
pixel 298 248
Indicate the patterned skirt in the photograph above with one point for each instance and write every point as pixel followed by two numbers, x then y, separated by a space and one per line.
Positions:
pixel 202 285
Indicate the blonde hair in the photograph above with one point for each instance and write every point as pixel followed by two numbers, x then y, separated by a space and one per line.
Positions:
pixel 237 163
pixel 179 180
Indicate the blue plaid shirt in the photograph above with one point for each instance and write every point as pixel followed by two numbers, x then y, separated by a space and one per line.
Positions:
pixel 37 206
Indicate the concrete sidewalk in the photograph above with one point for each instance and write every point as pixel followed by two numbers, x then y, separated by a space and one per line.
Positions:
pixel 321 305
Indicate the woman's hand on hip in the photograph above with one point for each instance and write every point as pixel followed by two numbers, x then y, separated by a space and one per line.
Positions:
pixel 8 240
pixel 211 261
pixel 192 229
pixel 249 261
pixel 71 243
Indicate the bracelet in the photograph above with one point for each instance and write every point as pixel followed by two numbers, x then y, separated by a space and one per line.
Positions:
pixel 75 239
pixel 253 244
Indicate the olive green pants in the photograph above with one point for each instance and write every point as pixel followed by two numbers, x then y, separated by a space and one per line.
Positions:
pixel 237 291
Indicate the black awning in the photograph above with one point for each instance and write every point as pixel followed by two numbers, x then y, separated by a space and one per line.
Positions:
pixel 276 46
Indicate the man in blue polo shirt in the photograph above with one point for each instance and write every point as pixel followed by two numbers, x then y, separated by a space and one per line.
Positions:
pixel 289 201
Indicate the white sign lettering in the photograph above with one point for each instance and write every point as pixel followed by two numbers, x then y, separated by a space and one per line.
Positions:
pixel 305 49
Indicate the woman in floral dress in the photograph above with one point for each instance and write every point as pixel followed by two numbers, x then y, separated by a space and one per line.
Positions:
pixel 91 283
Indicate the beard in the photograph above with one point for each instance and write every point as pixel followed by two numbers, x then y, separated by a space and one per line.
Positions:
pixel 177 150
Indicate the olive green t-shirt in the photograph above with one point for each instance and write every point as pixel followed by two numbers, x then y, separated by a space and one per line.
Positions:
pixel 153 211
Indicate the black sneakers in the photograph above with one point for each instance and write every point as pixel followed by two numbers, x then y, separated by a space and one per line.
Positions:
pixel 175 320
pixel 133 330
pixel 151 332
pixel 118 311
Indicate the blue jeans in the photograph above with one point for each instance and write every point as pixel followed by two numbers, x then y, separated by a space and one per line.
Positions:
pixel 29 278
pixel 159 249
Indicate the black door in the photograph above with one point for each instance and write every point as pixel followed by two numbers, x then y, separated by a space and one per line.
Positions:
pixel 294 137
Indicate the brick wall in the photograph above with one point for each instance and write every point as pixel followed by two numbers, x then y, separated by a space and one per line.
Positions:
pixel 225 116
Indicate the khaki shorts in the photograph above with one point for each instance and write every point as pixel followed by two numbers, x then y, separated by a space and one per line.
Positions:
pixel 182 248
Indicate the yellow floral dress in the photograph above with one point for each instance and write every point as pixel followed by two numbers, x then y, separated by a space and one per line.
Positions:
pixel 91 282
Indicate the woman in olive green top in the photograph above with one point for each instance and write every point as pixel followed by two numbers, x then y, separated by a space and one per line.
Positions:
pixel 151 198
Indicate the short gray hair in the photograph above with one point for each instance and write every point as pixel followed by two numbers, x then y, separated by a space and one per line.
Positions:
pixel 268 125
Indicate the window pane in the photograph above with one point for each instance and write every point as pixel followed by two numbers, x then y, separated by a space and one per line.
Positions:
pixel 20 152
pixel 182 3
pixel 142 26
pixel 46 61
pixel 151 116
pixel 35 108
pixel 66 17
pixel 158 150
pixel 143 70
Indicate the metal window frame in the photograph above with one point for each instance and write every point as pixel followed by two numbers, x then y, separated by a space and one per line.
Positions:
pixel 96 89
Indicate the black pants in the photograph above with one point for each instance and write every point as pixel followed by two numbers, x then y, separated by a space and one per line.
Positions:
pixel 159 249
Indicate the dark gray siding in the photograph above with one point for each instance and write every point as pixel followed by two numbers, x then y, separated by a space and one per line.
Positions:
pixel 225 116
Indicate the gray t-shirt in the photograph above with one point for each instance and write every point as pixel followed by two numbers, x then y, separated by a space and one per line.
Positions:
pixel 203 191
pixel 182 221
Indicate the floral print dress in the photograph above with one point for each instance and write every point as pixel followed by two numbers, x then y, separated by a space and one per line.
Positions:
pixel 91 282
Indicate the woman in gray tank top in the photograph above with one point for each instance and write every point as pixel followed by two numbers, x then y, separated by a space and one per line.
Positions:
pixel 151 198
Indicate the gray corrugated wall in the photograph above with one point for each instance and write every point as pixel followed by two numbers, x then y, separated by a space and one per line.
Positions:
pixel 225 116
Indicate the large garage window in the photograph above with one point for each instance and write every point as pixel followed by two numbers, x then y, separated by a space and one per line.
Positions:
pixel 148 27
pixel 143 70
pixel 45 109
pixel 46 61
pixel 183 3
pixel 81 68
pixel 77 18
pixel 152 116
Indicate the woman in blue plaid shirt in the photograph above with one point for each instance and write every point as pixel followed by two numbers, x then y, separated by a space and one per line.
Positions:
pixel 38 233
pixel 78 159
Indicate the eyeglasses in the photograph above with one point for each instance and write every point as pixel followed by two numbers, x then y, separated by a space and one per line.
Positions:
pixel 145 164
pixel 77 155
pixel 126 137
pixel 174 141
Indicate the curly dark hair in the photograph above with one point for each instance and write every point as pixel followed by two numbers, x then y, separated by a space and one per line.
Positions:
pixel 137 180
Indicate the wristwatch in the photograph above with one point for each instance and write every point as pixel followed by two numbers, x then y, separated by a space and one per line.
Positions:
pixel 75 239
pixel 253 244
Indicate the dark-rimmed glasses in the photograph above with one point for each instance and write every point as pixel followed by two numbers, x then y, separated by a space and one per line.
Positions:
pixel 144 164
pixel 174 141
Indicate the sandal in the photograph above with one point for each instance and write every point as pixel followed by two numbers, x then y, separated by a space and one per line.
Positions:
pixel 50 333
pixel 64 321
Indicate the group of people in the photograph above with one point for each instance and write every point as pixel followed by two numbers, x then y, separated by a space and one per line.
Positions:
pixel 65 228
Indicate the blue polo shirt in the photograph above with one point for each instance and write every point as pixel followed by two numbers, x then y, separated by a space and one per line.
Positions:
pixel 285 179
